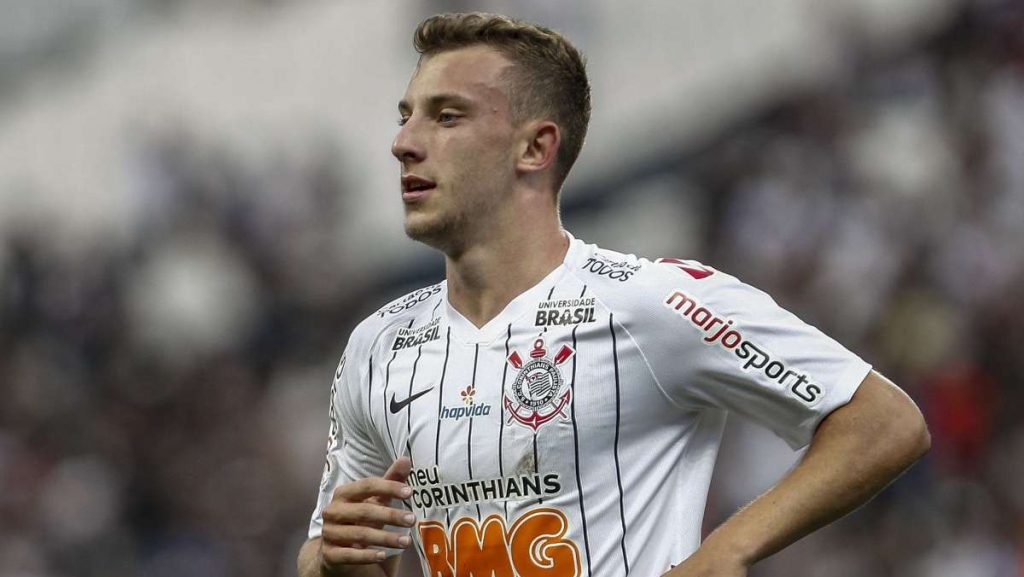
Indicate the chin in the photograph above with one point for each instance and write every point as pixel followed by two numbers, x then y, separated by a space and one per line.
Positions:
pixel 439 234
pixel 423 229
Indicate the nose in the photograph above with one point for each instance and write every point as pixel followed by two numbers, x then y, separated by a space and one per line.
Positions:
pixel 407 147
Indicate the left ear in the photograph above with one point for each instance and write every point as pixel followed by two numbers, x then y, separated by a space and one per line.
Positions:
pixel 539 149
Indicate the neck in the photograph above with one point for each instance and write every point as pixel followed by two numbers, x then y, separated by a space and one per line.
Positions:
pixel 484 278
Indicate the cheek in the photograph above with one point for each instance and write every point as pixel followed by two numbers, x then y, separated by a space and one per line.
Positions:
pixel 478 143
pixel 495 153
pixel 477 160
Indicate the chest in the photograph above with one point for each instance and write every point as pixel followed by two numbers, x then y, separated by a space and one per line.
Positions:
pixel 525 404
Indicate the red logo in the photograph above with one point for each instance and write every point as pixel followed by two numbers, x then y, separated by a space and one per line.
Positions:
pixel 692 268
pixel 539 393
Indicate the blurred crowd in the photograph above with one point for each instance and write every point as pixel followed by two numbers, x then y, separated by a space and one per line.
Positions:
pixel 888 210
pixel 163 397
pixel 156 414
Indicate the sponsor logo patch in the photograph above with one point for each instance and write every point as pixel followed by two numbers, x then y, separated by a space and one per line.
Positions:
pixel 469 408
pixel 539 393
pixel 690 267
pixel 621 271
pixel 332 433
pixel 535 544
pixel 409 338
pixel 720 331
pixel 565 312
pixel 396 406
pixel 409 301
pixel 431 492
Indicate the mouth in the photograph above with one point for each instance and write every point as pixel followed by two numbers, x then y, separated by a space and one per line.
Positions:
pixel 415 188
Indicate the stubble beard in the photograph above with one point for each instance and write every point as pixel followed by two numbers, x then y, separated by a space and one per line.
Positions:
pixel 444 233
pixel 451 231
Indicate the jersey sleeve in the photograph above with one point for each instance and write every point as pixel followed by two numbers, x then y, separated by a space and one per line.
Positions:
pixel 723 344
pixel 352 453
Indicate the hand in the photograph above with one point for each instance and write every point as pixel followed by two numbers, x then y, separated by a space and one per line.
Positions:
pixel 704 563
pixel 355 518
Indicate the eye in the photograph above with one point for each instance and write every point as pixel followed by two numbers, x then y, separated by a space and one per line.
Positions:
pixel 447 117
pixel 403 120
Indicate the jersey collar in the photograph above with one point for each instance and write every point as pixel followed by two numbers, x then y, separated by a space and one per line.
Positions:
pixel 525 302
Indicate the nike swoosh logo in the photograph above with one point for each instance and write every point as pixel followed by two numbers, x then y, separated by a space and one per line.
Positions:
pixel 397 406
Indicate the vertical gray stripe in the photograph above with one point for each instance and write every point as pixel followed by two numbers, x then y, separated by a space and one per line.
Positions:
pixel 576 446
pixel 408 420
pixel 618 413
pixel 501 403
pixel 369 392
pixel 387 381
pixel 536 455
pixel 469 440
pixel 440 399
pixel 419 353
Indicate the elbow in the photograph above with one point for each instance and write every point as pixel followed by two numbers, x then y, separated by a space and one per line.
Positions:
pixel 910 440
pixel 922 439
pixel 898 444
pixel 896 421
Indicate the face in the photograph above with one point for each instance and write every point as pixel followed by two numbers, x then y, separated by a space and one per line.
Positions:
pixel 456 146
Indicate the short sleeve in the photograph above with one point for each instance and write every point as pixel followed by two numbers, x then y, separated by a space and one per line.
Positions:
pixel 351 452
pixel 724 344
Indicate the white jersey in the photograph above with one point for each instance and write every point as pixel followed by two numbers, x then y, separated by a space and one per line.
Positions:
pixel 576 432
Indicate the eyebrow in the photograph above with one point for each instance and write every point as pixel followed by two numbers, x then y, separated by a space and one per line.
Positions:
pixel 438 100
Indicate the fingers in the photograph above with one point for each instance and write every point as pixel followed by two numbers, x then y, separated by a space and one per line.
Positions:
pixel 368 514
pixel 356 537
pixel 399 470
pixel 355 518
pixel 373 487
pixel 333 555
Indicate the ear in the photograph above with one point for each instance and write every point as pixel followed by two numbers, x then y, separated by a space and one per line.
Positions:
pixel 540 146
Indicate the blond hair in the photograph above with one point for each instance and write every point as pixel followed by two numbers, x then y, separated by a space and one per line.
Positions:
pixel 548 79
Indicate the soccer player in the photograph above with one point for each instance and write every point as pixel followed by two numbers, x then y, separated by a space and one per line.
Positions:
pixel 553 408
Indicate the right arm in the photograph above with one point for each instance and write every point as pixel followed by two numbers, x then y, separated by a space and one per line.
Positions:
pixel 354 507
pixel 353 523
pixel 311 564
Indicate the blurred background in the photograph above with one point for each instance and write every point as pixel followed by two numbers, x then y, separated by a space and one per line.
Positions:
pixel 197 203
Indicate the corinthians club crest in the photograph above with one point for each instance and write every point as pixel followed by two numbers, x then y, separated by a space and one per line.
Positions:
pixel 539 394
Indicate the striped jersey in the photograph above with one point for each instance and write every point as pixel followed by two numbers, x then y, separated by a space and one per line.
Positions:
pixel 576 432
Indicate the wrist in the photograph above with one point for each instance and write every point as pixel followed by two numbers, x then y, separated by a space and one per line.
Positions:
pixel 727 550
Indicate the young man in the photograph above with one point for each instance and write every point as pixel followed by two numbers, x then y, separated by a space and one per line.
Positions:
pixel 553 408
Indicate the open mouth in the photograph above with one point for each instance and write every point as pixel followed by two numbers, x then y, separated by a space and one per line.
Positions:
pixel 414 187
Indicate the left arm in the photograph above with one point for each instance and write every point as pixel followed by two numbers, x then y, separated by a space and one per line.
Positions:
pixel 856 451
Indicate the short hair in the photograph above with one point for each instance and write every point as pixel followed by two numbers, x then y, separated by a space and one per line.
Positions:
pixel 548 78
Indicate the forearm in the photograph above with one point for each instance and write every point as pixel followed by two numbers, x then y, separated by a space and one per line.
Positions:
pixel 310 564
pixel 856 452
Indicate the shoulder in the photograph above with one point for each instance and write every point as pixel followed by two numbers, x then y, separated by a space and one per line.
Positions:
pixel 627 282
pixel 401 312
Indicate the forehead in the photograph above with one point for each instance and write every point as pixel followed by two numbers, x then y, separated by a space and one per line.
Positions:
pixel 474 72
